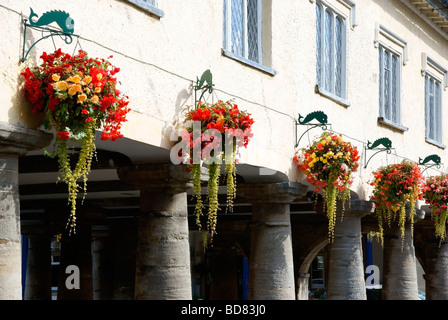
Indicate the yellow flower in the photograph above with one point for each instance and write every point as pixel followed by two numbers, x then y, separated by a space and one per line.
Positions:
pixel 82 97
pixel 73 89
pixel 94 99
pixel 97 90
pixel 99 76
pixel 74 79
pixel 87 79
pixel 313 155
pixel 55 77
pixel 60 85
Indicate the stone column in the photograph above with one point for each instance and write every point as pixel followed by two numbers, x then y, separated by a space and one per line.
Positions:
pixel 14 142
pixel 346 268
pixel 271 271
pixel 38 268
pixel 436 275
pixel 399 262
pixel 102 267
pixel 163 249
pixel 303 285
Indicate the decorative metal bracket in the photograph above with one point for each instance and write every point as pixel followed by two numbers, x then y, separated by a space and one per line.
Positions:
pixel 385 142
pixel 319 116
pixel 61 18
pixel 429 162
pixel 204 84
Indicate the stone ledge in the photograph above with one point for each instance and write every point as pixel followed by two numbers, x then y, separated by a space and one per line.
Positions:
pixel 20 139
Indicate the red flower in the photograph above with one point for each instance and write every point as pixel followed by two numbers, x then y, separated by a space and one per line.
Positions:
pixel 63 135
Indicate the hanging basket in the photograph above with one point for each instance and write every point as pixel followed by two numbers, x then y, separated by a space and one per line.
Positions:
pixel 435 193
pixel 77 95
pixel 395 186
pixel 214 133
pixel 328 164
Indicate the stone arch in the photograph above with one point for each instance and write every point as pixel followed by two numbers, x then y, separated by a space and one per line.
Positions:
pixel 303 272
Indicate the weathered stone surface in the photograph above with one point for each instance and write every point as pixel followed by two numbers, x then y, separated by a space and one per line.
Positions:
pixel 346 268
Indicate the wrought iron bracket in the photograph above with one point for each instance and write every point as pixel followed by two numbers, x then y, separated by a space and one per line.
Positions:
pixel 204 84
pixel 63 20
pixel 318 116
pixel 386 146
pixel 430 161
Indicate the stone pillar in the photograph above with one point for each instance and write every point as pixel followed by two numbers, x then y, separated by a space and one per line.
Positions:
pixel 38 268
pixel 14 142
pixel 102 267
pixel 399 262
pixel 436 275
pixel 346 268
pixel 163 249
pixel 303 281
pixel 271 271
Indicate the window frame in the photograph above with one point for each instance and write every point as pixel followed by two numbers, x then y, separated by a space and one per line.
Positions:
pixel 437 110
pixel 151 8
pixel 320 54
pixel 227 37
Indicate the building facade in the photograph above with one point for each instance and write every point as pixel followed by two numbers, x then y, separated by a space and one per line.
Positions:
pixel 376 68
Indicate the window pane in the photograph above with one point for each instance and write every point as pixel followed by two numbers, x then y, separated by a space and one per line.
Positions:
pixel 237 34
pixel 318 44
pixel 438 113
pixel 338 56
pixel 431 109
pixel 387 85
pixel 381 72
pixel 252 29
pixel 394 105
pixel 328 50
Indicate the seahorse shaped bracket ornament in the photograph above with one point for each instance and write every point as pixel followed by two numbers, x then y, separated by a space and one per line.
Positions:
pixel 319 116
pixel 204 84
pixel 379 145
pixel 61 18
pixel 430 161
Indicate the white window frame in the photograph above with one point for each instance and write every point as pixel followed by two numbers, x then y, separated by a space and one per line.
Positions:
pixel 389 41
pixel 227 37
pixel 437 110
pixel 152 7
pixel 435 71
pixel 320 78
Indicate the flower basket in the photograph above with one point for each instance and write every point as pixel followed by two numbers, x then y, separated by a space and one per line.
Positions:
pixel 77 95
pixel 328 164
pixel 435 193
pixel 395 185
pixel 214 134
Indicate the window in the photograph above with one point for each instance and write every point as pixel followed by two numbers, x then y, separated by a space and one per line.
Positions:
pixel 242 31
pixel 433 109
pixel 242 27
pixel 389 72
pixel 330 52
pixel 150 6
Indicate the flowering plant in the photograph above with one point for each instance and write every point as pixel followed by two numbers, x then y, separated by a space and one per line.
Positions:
pixel 394 186
pixel 209 128
pixel 77 95
pixel 435 193
pixel 328 164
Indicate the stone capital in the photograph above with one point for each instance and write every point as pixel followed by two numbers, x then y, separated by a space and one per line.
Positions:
pixel 156 176
pixel 15 139
pixel 359 208
pixel 282 192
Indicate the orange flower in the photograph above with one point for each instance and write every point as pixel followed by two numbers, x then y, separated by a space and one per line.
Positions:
pixel 55 77
pixel 73 89
pixel 61 85
pixel 94 99
pixel 87 79
pixel 74 79
pixel 81 98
